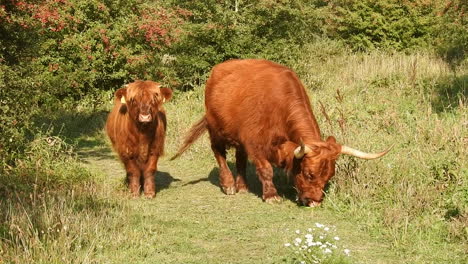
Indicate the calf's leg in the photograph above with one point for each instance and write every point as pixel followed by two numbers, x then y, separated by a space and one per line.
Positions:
pixel 149 183
pixel 133 176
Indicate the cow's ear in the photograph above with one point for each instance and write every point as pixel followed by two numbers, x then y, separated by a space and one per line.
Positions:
pixel 331 139
pixel 120 94
pixel 333 145
pixel 166 94
pixel 120 97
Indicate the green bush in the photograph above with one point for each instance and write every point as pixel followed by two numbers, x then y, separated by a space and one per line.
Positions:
pixel 18 103
pixel 384 24
pixel 451 33
pixel 223 30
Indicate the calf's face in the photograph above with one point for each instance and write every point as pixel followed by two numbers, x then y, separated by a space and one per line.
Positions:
pixel 142 100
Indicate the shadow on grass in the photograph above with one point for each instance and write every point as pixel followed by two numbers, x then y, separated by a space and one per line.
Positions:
pixel 83 129
pixel 80 128
pixel 101 153
pixel 164 180
pixel 284 188
pixel 449 93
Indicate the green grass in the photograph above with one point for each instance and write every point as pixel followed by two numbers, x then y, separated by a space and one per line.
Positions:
pixel 408 207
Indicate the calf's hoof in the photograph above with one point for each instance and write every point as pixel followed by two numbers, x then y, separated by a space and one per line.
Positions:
pixel 230 190
pixel 134 190
pixel 150 195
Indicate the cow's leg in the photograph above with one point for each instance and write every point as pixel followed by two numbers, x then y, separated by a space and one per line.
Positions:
pixel 241 167
pixel 149 183
pixel 133 176
pixel 265 174
pixel 226 181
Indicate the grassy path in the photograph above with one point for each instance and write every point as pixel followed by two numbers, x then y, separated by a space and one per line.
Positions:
pixel 192 221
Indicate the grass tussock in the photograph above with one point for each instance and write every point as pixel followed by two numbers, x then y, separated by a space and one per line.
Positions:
pixel 51 209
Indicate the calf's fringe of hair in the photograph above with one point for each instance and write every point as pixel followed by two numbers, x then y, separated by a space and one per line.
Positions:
pixel 195 132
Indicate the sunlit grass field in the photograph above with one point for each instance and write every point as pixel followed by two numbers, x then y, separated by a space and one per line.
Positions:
pixel 410 206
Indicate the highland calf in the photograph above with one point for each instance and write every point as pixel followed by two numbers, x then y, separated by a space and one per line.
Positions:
pixel 136 127
pixel 262 109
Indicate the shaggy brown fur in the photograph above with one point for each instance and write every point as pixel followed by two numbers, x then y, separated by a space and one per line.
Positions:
pixel 136 127
pixel 262 109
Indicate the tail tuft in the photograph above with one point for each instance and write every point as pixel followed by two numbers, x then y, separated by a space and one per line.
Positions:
pixel 195 132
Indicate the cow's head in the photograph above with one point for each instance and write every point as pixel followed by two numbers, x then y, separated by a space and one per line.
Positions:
pixel 142 100
pixel 314 165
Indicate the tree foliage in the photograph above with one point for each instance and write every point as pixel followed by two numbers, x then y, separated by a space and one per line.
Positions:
pixel 451 33
pixel 384 24
pixel 223 30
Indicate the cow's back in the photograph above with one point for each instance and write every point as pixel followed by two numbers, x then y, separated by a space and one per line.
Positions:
pixel 251 101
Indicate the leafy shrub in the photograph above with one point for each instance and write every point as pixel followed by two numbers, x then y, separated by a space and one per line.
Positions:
pixel 221 31
pixel 451 33
pixel 386 24
pixel 84 45
pixel 18 103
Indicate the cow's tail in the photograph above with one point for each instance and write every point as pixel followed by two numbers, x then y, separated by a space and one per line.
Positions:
pixel 195 132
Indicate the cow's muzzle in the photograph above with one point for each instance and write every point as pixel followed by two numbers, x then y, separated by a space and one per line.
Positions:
pixel 144 118
pixel 310 202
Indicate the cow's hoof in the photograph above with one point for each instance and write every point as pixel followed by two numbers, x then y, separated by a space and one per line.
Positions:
pixel 242 189
pixel 231 190
pixel 273 200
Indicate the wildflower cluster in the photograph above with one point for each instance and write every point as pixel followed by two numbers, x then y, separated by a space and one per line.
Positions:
pixel 318 245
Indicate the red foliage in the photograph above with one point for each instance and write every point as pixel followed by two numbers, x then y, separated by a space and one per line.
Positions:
pixel 105 40
pixel 160 27
pixel 49 15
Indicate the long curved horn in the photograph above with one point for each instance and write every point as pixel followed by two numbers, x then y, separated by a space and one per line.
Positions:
pixel 300 151
pixel 363 155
